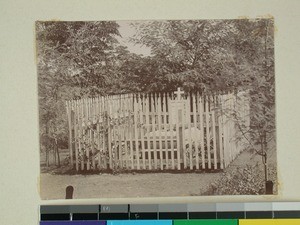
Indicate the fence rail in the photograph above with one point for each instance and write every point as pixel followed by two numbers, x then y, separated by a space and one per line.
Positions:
pixel 156 131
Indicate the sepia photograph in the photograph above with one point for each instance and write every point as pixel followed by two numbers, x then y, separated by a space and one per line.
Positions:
pixel 156 108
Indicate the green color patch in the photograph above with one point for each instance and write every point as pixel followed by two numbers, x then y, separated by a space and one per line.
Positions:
pixel 206 222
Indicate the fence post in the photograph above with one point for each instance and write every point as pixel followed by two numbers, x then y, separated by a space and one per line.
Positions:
pixel 69 111
pixel 180 136
pixel 79 133
pixel 180 155
pixel 109 134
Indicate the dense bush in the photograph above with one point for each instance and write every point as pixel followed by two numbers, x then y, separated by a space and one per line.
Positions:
pixel 246 180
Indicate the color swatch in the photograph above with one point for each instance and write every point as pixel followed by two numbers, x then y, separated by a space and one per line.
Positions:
pixel 277 213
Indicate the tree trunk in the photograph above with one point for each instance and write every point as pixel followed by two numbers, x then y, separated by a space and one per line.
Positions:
pixel 57 152
pixel 54 154
pixel 264 157
pixel 47 146
pixel 47 157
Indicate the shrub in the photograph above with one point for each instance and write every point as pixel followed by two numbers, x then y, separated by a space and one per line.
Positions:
pixel 246 180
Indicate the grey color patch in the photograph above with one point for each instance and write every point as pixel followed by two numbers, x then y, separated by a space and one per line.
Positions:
pixel 285 206
pixel 258 206
pixel 144 208
pixel 84 208
pixel 172 208
pixel 206 207
pixel 54 209
pixel 230 207
pixel 114 208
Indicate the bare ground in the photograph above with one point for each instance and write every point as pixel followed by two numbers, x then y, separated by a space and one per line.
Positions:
pixel 137 185
pixel 124 185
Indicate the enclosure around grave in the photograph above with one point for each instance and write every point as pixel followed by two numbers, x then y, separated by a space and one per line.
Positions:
pixel 157 131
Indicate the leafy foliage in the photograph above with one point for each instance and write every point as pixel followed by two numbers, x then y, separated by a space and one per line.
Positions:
pixel 246 180
pixel 71 58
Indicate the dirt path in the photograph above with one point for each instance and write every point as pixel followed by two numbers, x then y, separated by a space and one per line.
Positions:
pixel 125 185
pixel 136 185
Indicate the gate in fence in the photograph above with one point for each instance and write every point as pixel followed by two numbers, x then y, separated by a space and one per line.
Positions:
pixel 156 131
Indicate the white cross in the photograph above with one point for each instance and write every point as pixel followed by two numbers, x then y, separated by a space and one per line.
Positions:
pixel 178 93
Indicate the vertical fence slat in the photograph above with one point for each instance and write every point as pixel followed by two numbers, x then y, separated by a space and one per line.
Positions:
pixel 125 131
pixel 131 102
pixel 183 142
pixel 82 126
pixel 178 144
pixel 181 136
pixel 103 114
pixel 98 133
pixel 220 124
pixel 230 129
pixel 112 132
pixel 92 146
pixel 93 106
pixel 87 136
pixel 102 118
pixel 171 125
pixel 147 99
pixel 214 132
pixel 103 148
pixel 226 141
pixel 73 131
pixel 165 129
pixel 196 141
pixel 142 127
pixel 231 136
pixel 78 115
pixel 91 134
pixel 201 118
pixel 78 106
pixel 120 131
pixel 159 130
pixel 224 120
pixel 188 117
pixel 207 120
pixel 153 120
pixel 118 128
pixel 233 127
pixel 76 131
pixel 240 115
pixel 136 140
pixel 109 133
pixel 69 112
pixel 116 161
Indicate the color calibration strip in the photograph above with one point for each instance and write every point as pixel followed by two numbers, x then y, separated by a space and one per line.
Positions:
pixel 275 213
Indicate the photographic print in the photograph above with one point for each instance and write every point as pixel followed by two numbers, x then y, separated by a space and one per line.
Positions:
pixel 162 108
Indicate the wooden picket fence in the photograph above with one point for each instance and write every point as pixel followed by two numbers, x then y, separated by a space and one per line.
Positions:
pixel 156 131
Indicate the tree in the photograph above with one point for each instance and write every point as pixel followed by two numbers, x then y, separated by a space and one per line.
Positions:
pixel 189 52
pixel 262 89
pixel 73 60
pixel 213 55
